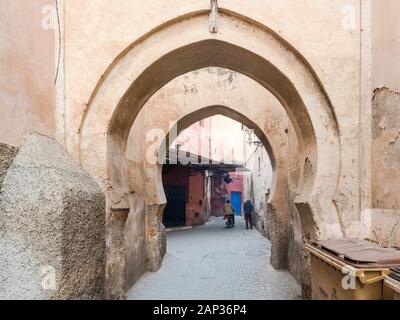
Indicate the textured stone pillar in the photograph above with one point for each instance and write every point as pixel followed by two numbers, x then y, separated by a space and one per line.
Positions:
pixel 52 226
pixel 156 237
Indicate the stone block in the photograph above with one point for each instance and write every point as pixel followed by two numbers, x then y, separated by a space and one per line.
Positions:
pixel 52 231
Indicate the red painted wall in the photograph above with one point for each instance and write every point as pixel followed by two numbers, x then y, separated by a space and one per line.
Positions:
pixel 218 191
pixel 195 199
pixel 196 205
pixel 221 189
pixel 236 185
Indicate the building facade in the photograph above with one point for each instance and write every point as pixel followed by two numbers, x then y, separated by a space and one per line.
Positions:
pixel 318 81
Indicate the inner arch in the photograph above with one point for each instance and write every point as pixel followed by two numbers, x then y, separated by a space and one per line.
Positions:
pixel 210 111
pixel 211 53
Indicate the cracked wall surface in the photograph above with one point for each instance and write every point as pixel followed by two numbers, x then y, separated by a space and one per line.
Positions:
pixel 386 149
pixel 382 218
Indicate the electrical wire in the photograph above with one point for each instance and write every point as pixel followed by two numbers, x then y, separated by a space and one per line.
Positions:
pixel 258 147
pixel 59 43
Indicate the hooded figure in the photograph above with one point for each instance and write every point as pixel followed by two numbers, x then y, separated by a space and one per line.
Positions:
pixel 248 213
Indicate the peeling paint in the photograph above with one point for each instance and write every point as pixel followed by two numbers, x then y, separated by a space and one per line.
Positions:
pixel 386 149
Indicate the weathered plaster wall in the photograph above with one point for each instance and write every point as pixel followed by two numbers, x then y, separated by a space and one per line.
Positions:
pixel 27 70
pixel 52 231
pixel 386 149
pixel 135 246
pixel 135 229
pixel 196 206
pixel 334 53
pixel 383 226
pixel 386 105
pixel 295 248
pixel 260 180
pixel 386 44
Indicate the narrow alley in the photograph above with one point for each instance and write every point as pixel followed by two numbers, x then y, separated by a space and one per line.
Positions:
pixel 211 262
pixel 130 129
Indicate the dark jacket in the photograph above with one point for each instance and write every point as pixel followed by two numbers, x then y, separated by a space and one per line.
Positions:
pixel 248 207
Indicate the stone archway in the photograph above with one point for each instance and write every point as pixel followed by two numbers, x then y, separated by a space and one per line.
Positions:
pixel 278 200
pixel 186 97
pixel 141 70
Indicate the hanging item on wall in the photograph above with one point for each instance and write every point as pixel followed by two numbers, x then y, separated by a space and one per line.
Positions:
pixel 213 19
pixel 227 178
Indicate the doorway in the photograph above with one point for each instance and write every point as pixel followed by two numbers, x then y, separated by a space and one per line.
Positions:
pixel 236 201
pixel 175 210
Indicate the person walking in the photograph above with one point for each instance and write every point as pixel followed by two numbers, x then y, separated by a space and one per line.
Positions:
pixel 248 214
pixel 228 210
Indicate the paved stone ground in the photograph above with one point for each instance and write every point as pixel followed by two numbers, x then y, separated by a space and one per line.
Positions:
pixel 211 263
